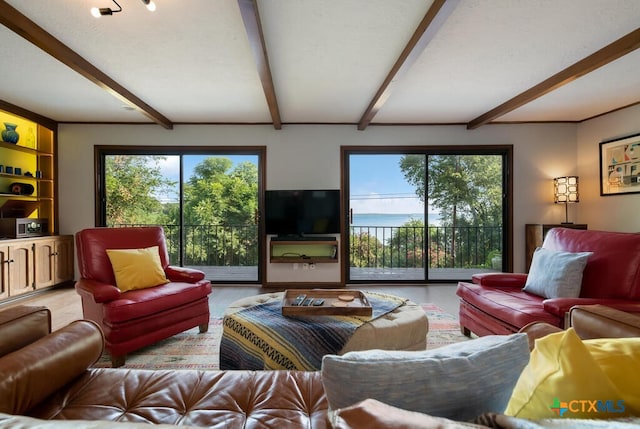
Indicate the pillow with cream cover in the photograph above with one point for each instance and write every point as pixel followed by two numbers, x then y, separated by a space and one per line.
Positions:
pixel 556 274
pixel 572 378
pixel 137 268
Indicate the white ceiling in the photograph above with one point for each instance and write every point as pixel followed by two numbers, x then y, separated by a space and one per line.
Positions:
pixel 192 62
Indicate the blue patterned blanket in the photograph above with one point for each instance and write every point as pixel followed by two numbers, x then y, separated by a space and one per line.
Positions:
pixel 260 337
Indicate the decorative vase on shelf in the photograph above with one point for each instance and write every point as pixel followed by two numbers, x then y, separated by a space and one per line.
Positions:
pixel 30 139
pixel 10 135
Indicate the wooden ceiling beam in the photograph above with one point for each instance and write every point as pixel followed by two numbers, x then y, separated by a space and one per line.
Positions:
pixel 427 29
pixel 24 27
pixel 253 27
pixel 604 56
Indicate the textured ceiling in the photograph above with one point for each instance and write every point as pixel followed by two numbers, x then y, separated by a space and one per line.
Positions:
pixel 192 61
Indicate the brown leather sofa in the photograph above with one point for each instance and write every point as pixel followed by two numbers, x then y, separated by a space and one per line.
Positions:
pixel 52 379
pixel 589 322
pixel 50 383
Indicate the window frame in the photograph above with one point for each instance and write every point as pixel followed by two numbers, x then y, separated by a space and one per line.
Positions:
pixel 506 151
pixel 102 151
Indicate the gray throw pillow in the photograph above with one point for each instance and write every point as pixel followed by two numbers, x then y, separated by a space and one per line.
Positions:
pixel 459 381
pixel 556 274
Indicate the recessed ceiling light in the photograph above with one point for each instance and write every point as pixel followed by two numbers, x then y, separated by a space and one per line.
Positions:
pixel 150 5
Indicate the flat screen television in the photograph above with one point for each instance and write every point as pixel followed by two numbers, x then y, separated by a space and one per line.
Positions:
pixel 301 212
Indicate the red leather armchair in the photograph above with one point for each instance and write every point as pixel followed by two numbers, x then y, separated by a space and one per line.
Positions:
pixel 496 304
pixel 133 319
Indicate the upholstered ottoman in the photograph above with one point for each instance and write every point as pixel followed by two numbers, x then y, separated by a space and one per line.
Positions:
pixel 404 328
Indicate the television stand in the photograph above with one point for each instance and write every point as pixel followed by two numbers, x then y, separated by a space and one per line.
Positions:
pixel 303 249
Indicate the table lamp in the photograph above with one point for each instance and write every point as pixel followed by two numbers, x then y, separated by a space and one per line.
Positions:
pixel 565 190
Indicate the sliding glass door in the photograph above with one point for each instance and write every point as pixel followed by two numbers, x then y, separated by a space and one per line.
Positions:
pixel 426 214
pixel 386 220
pixel 467 191
pixel 206 201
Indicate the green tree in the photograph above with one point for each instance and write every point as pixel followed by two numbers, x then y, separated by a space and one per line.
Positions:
pixel 133 183
pixel 485 199
pixel 217 200
pixel 216 194
pixel 406 247
pixel 459 186
pixel 466 189
pixel 366 250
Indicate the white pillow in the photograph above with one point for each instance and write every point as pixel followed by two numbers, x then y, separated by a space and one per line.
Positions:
pixel 459 381
pixel 556 274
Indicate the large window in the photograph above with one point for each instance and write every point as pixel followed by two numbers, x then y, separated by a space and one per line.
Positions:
pixel 206 200
pixel 427 213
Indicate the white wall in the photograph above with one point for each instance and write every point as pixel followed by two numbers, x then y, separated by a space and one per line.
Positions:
pixel 614 212
pixel 307 156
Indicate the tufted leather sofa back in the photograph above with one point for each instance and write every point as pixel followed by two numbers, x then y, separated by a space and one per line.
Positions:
pixel 213 399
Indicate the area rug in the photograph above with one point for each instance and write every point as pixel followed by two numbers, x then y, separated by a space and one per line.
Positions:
pixel 443 327
pixel 192 350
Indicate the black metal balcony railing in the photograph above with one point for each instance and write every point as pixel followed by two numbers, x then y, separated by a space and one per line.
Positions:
pixel 407 246
pixel 211 245
pixel 370 246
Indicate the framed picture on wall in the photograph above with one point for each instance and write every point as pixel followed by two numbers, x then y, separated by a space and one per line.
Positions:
pixel 620 166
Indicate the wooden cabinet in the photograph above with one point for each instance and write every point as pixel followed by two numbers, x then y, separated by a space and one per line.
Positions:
pixel 63 259
pixel 19 265
pixel 44 267
pixel 32 256
pixel 53 261
pixel 535 234
pixel 30 264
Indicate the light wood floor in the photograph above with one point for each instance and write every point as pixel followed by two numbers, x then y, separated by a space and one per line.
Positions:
pixel 66 307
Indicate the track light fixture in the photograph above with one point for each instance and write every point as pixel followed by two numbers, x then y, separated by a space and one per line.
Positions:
pixel 102 11
pixel 98 12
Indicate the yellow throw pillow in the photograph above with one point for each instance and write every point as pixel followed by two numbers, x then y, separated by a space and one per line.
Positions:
pixel 137 268
pixel 570 378
pixel 619 358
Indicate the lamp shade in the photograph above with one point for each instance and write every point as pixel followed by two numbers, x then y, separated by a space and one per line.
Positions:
pixel 565 189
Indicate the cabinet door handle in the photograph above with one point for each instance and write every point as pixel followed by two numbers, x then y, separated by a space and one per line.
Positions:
pixel 9 261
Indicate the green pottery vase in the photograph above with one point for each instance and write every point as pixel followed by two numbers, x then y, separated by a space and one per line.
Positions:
pixel 10 135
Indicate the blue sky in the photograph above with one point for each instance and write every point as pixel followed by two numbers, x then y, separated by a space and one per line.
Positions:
pixel 377 184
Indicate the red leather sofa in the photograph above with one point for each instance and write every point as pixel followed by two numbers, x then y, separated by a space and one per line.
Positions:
pixel 495 303
pixel 136 318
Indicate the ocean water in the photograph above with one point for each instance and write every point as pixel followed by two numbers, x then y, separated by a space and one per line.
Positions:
pixel 381 219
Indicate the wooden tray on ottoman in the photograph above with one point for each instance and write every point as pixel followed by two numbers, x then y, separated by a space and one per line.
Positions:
pixel 335 303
